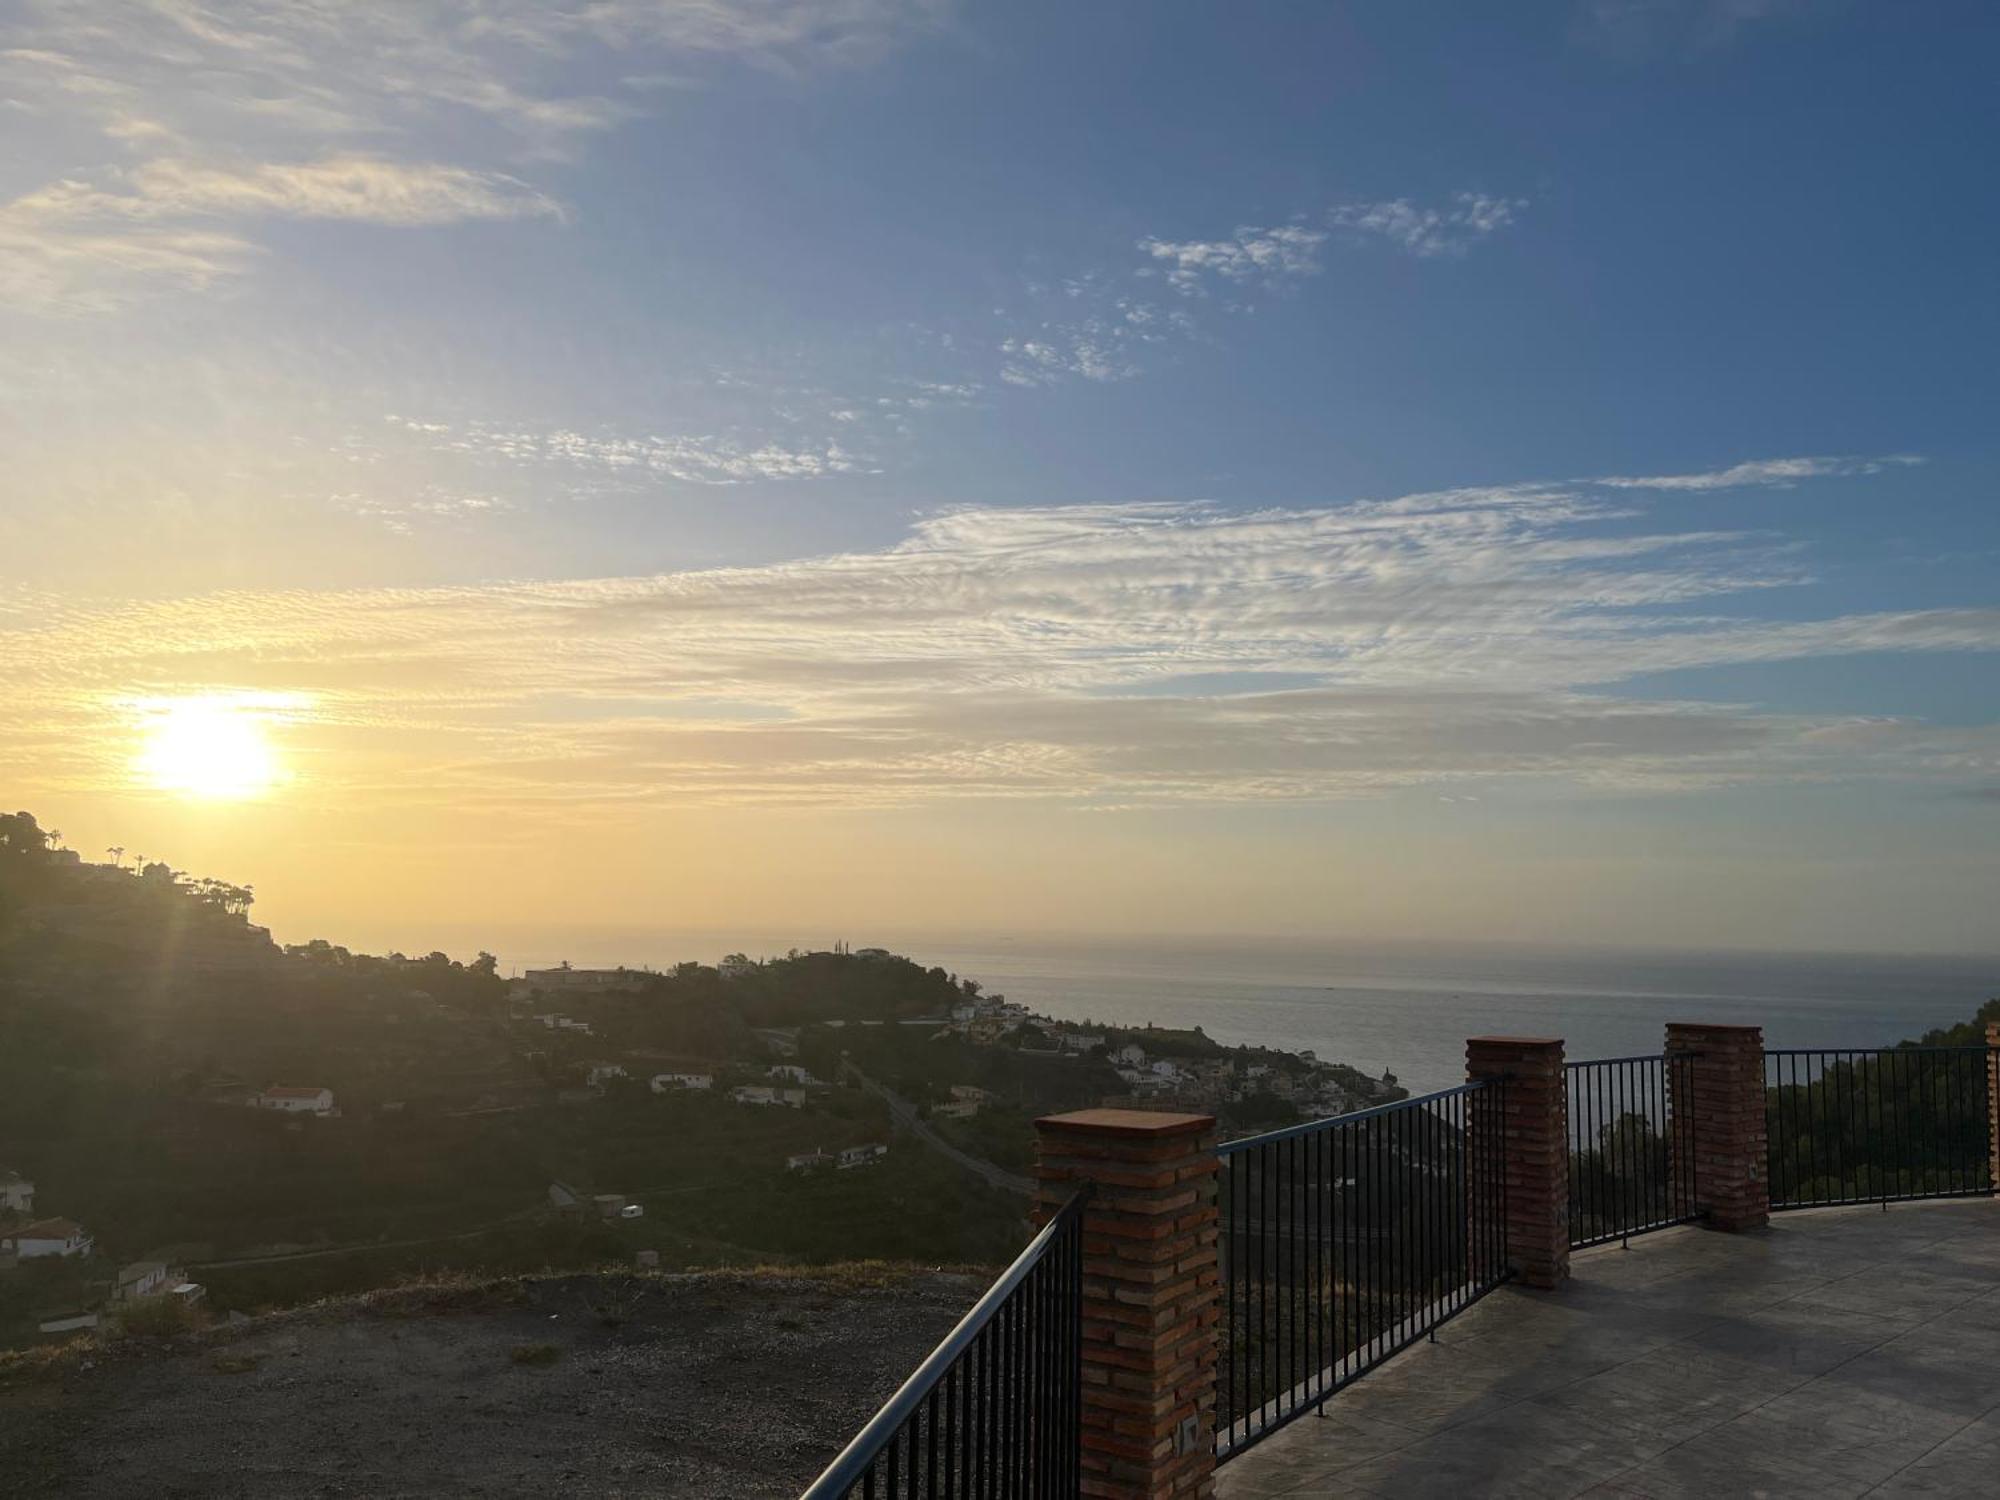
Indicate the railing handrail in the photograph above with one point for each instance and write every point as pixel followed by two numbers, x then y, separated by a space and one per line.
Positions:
pixel 1306 1127
pixel 854 1460
pixel 1876 1051
pixel 1638 1057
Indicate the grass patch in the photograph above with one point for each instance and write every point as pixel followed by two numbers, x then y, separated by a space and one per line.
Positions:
pixel 534 1354
pixel 235 1364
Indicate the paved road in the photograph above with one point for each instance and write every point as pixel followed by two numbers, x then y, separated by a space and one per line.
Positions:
pixel 906 1114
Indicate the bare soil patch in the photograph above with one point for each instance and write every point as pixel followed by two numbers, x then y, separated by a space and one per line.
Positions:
pixel 716 1385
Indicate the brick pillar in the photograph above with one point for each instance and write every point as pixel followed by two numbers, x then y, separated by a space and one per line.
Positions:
pixel 1993 1103
pixel 1534 1129
pixel 1721 1095
pixel 1151 1290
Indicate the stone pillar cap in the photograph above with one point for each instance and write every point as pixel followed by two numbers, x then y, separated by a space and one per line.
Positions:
pixel 1139 1122
pixel 1513 1041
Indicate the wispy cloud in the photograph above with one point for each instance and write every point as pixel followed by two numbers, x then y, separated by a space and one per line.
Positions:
pixel 1766 472
pixel 1270 256
pixel 77 247
pixel 690 459
pixel 1427 232
pixel 306 110
pixel 1096 654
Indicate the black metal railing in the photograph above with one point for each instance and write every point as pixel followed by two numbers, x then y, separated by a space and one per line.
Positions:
pixel 996 1410
pixel 1345 1240
pixel 1631 1146
pixel 1875 1124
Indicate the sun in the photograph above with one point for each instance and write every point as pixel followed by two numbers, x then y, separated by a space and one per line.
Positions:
pixel 213 748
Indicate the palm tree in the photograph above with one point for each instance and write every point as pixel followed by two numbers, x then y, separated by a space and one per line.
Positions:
pixel 117 853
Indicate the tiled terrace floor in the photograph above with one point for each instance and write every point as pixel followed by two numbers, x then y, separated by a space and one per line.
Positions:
pixel 1839 1352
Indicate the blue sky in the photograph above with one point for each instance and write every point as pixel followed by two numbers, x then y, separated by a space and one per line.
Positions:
pixel 889 408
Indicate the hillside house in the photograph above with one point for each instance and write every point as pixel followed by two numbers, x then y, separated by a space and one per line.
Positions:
pixel 674 1083
pixel 603 1072
pixel 48 1237
pixel 1130 1055
pixel 617 1206
pixel 1082 1041
pixel 958 1109
pixel 17 1194
pixel 296 1099
pixel 143 1278
pixel 860 1156
pixel 792 1073
pixel 764 1095
pixel 563 978
pixel 970 1092
pixel 806 1161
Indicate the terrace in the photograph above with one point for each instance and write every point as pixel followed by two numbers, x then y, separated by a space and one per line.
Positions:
pixel 1560 1278
pixel 1842 1351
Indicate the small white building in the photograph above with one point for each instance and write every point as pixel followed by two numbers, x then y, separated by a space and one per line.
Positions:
pixel 1130 1055
pixel 1081 1041
pixel 958 1109
pixel 673 1083
pixel 17 1194
pixel 144 1278
pixel 763 1094
pixel 297 1099
pixel 861 1156
pixel 792 1073
pixel 603 1072
pixel 806 1161
pixel 48 1237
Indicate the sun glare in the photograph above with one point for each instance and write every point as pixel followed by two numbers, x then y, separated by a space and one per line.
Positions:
pixel 213 748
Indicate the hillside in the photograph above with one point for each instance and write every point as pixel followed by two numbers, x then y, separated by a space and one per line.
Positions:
pixel 587 1385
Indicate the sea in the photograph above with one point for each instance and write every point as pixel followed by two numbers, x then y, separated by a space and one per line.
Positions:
pixel 1399 1008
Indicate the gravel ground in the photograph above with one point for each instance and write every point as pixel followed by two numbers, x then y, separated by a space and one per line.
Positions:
pixel 689 1386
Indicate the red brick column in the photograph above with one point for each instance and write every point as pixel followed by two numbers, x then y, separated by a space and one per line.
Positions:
pixel 1721 1094
pixel 1993 1102
pixel 1534 1128
pixel 1151 1290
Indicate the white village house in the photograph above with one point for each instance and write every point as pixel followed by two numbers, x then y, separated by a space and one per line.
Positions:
pixel 17 1194
pixel 764 1095
pixel 144 1278
pixel 296 1099
pixel 861 1156
pixel 604 1072
pixel 47 1237
pixel 669 1083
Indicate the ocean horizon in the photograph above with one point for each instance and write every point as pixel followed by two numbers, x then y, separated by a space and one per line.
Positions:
pixel 1404 1008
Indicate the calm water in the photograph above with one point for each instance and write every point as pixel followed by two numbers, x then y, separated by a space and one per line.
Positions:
pixel 1405 1009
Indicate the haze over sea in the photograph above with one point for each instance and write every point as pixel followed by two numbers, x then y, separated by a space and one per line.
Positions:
pixel 1404 1008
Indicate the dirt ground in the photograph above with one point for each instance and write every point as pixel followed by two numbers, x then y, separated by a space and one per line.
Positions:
pixel 693 1386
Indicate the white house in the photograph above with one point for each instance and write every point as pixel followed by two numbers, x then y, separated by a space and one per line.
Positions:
pixel 144 1278
pixel 970 1091
pixel 958 1109
pixel 17 1194
pixel 860 1156
pixel 47 1237
pixel 763 1094
pixel 1131 1055
pixel 669 1083
pixel 297 1100
pixel 603 1072
pixel 806 1161
pixel 1081 1041
pixel 791 1073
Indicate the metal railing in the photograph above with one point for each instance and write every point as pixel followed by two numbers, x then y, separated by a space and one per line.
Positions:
pixel 997 1408
pixel 1345 1240
pixel 1875 1124
pixel 1631 1146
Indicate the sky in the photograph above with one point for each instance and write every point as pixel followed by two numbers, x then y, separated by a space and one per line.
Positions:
pixel 1355 470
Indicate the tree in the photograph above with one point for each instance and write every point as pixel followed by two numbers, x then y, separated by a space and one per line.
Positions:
pixel 21 836
pixel 117 853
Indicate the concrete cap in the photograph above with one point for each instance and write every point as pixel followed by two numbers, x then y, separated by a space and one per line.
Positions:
pixel 1139 1122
